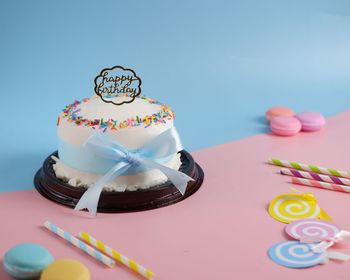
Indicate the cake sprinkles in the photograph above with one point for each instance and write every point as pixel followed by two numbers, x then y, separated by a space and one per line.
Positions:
pixel 71 113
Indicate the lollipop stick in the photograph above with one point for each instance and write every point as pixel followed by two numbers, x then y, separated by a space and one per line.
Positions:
pixel 321 185
pixel 309 167
pixel 79 244
pixel 116 255
pixel 315 176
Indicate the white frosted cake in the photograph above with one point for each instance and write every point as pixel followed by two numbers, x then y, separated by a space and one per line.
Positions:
pixel 118 151
pixel 132 125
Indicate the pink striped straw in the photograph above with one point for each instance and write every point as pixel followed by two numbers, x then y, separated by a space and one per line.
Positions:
pixel 314 176
pixel 322 185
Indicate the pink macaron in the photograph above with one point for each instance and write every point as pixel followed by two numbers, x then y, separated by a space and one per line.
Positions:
pixel 285 126
pixel 311 121
pixel 278 111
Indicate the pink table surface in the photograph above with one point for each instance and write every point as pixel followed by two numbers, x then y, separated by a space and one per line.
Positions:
pixel 221 232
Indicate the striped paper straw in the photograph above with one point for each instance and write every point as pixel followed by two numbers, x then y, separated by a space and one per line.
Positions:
pixel 314 176
pixel 79 244
pixel 116 255
pixel 322 185
pixel 309 167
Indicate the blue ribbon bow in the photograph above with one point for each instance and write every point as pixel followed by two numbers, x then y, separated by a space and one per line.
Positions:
pixel 165 144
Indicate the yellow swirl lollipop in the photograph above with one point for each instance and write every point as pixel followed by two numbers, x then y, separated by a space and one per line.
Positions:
pixel 290 207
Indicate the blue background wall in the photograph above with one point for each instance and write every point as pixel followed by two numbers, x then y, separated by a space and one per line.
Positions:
pixel 219 64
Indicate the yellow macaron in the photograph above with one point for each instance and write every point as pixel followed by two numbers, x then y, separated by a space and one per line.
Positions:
pixel 65 269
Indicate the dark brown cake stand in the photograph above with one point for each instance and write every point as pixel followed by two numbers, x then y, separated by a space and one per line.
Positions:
pixel 49 186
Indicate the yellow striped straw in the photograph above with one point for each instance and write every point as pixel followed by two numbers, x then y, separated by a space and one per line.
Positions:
pixel 116 255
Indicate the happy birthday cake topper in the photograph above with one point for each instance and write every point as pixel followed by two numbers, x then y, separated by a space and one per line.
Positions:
pixel 117 81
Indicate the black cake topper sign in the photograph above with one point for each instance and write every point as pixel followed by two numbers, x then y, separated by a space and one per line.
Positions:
pixel 117 81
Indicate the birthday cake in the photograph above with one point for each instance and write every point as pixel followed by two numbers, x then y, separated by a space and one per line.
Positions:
pixel 131 124
pixel 118 151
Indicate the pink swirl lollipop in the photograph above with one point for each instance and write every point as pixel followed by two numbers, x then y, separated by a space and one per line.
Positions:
pixel 311 230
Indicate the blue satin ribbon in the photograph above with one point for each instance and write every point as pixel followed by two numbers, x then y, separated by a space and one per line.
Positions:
pixel 85 160
pixel 164 145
